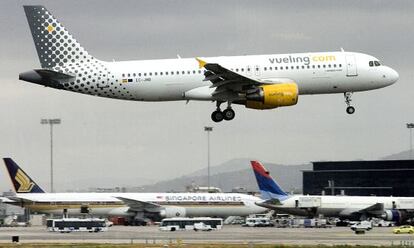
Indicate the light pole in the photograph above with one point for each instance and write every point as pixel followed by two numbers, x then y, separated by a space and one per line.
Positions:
pixel 51 122
pixel 410 126
pixel 208 130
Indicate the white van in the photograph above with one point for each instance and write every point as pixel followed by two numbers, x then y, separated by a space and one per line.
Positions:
pixel 258 222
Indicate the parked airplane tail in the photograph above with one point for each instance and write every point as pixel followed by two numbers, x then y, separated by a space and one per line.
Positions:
pixel 21 181
pixel 269 189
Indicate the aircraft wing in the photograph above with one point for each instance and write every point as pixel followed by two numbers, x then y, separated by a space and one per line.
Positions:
pixel 374 210
pixel 137 205
pixel 226 80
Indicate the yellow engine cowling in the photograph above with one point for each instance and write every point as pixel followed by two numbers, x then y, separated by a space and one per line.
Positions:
pixel 273 96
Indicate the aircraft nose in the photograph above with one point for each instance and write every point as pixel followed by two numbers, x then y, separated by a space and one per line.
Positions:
pixel 392 75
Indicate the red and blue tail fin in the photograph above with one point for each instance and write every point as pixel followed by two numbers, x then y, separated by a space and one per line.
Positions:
pixel 21 181
pixel 269 189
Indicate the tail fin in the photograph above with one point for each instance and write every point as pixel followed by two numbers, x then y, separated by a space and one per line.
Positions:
pixel 55 46
pixel 269 189
pixel 21 181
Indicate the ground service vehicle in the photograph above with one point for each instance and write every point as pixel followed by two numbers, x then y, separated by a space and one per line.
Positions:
pixel 404 229
pixel 363 225
pixel 76 225
pixel 201 223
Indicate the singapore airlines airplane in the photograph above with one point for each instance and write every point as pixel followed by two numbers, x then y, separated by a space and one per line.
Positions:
pixel 257 82
pixel 397 209
pixel 137 206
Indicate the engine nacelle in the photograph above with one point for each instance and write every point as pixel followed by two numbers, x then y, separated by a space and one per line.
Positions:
pixel 273 96
pixel 398 216
pixel 170 212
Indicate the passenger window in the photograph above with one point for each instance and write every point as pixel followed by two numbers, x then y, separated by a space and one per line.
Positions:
pixel 340 65
pixel 155 73
pixel 297 67
pixel 237 69
pixel 308 66
pixel 129 75
pixel 270 68
pixel 123 75
pixel 172 73
pixel 160 73
pixel 303 67
pixel 334 65
pixel 319 66
pixel 324 66
pixel 313 66
pixel 150 73
pixel 134 74
pixel 265 68
pixel 287 67
pixel 145 74
pixel 139 74
pixel 166 73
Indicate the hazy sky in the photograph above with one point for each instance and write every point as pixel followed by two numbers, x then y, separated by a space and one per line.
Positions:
pixel 108 142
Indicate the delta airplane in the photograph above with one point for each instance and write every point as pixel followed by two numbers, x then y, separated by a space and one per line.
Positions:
pixel 139 207
pixel 397 209
pixel 257 81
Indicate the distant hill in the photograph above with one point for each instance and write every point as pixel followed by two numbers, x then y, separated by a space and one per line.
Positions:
pixel 231 174
pixel 399 156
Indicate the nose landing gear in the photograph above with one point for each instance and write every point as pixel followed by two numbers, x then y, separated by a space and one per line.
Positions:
pixel 228 114
pixel 349 109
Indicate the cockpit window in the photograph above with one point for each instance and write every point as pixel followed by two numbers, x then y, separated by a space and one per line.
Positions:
pixel 374 63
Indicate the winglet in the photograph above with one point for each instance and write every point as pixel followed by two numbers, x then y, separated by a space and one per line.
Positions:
pixel 201 63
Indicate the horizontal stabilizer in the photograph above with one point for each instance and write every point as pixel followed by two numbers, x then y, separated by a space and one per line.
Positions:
pixel 271 203
pixel 46 77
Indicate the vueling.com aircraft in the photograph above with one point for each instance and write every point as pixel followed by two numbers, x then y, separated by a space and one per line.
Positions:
pixel 258 81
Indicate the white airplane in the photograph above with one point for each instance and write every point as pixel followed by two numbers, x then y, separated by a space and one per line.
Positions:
pixel 258 82
pixel 138 206
pixel 397 209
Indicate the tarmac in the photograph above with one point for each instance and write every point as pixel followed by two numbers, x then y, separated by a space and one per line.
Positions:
pixel 228 235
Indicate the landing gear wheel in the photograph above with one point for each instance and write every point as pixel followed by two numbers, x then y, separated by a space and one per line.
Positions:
pixel 229 114
pixel 348 99
pixel 217 116
pixel 350 110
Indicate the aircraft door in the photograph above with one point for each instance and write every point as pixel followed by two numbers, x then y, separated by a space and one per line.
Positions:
pixel 351 69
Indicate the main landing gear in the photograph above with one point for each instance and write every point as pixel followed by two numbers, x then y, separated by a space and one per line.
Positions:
pixel 350 110
pixel 218 115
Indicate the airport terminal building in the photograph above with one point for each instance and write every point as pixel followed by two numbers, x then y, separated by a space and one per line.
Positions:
pixel 364 178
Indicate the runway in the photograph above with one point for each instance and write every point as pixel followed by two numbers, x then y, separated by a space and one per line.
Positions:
pixel 229 234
